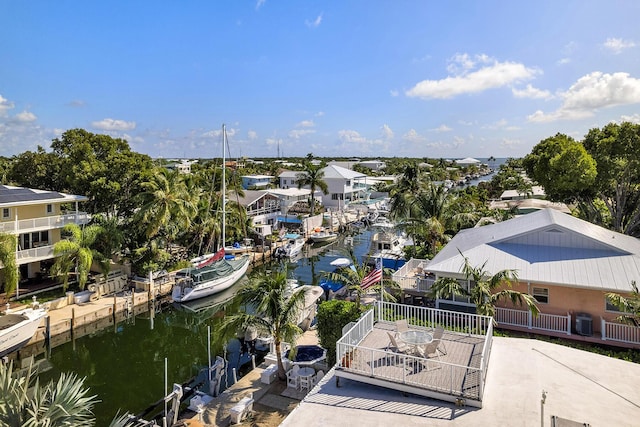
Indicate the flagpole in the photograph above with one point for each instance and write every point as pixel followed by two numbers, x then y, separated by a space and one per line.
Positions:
pixel 381 278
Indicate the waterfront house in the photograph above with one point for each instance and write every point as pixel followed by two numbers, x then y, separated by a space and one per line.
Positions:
pixel 36 217
pixel 262 207
pixel 344 186
pixel 256 182
pixel 288 179
pixel 567 264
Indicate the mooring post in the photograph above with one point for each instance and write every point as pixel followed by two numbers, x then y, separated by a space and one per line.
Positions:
pixel 47 330
pixel 73 319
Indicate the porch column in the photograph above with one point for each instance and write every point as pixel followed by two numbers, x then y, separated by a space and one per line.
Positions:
pixel 603 329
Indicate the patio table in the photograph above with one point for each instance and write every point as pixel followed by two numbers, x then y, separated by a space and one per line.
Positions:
pixel 415 338
pixel 306 375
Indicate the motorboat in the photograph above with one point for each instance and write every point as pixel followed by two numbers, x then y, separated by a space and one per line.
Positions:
pixel 17 328
pixel 240 248
pixel 383 223
pixel 389 247
pixel 323 236
pixel 331 287
pixel 293 247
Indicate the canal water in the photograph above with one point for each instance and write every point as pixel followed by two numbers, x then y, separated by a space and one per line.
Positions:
pixel 124 365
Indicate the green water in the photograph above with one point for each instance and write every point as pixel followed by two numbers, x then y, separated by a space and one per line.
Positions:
pixel 124 365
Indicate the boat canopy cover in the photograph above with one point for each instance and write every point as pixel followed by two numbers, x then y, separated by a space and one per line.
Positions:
pixel 341 262
pixel 291 236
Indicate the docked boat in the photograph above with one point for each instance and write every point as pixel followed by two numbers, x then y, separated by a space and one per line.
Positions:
pixel 293 247
pixel 331 287
pixel 382 222
pixel 323 236
pixel 240 248
pixel 389 247
pixel 213 273
pixel 17 329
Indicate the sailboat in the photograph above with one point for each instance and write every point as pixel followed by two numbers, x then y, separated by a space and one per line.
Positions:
pixel 213 273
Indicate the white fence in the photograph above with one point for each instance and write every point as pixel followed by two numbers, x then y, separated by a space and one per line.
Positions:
pixel 611 331
pixel 544 322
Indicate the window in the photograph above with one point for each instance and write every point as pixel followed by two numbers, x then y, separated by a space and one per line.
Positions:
pixel 49 208
pixel 6 213
pixel 610 307
pixel 348 183
pixel 541 295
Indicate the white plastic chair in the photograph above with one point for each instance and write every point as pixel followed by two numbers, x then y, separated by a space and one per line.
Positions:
pixel 293 379
pixel 402 326
pixel 317 377
pixel 306 382
pixel 400 348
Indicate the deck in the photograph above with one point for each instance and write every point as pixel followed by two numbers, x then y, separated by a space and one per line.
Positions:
pixel 457 375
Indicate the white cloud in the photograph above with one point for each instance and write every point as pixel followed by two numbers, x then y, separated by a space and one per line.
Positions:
pixel 319 114
pixel 467 79
pixel 252 134
pixel 259 3
pixel 306 124
pixel 394 93
pixel 500 124
pixel 77 103
pixel 618 45
pixel 592 92
pixel 442 128
pixel 387 132
pixel 633 119
pixel 274 141
pixel 531 92
pixel 297 133
pixel 347 135
pixel 5 105
pixel 113 125
pixel 413 136
pixel 315 23
pixel 25 117
pixel 563 61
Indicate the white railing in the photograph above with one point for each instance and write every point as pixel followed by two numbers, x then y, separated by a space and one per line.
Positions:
pixel 612 331
pixel 44 223
pixel 543 322
pixel 350 354
pixel 428 317
pixel 34 254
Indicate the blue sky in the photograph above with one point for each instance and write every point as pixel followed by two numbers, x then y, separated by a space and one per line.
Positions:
pixel 334 78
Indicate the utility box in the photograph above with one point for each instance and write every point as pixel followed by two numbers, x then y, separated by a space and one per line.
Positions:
pixel 584 324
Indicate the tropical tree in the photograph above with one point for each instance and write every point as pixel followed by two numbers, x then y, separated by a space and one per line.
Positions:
pixel 352 276
pixel 166 206
pixel 8 244
pixel 271 308
pixel 486 290
pixel 76 253
pixel 312 177
pixel 629 306
pixel 26 403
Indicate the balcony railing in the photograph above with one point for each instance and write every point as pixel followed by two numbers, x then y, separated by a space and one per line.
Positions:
pixel 43 223
pixel 612 331
pixel 544 322
pixel 34 254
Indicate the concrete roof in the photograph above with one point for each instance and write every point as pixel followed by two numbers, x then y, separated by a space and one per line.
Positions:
pixel 581 386
pixel 547 247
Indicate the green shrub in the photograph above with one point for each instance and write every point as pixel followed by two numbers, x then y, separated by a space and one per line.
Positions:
pixel 332 317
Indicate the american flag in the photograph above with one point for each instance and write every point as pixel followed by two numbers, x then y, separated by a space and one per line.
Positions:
pixel 374 275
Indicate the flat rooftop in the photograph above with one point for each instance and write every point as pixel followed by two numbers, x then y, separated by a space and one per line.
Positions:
pixel 581 386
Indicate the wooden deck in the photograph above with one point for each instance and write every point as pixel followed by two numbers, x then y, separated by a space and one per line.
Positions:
pixel 453 376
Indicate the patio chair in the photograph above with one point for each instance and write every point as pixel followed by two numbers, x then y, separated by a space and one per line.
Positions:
pixel 437 335
pixel 402 326
pixel 293 379
pixel 428 351
pixel 400 348
pixel 317 377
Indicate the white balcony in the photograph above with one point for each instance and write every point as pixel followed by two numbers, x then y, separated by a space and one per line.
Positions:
pixel 34 254
pixel 43 223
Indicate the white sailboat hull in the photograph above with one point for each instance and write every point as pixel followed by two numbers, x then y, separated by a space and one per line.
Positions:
pixel 17 329
pixel 201 289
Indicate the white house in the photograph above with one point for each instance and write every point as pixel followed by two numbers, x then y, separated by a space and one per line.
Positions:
pixel 262 207
pixel 289 179
pixel 374 165
pixel 344 186
pixel 256 181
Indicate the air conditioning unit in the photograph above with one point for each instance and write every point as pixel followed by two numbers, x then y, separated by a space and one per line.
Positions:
pixel 584 324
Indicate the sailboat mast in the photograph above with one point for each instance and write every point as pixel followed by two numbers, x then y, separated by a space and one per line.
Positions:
pixel 224 186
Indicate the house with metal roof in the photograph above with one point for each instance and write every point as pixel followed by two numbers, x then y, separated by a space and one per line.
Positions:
pixel 36 218
pixel 565 263
pixel 344 186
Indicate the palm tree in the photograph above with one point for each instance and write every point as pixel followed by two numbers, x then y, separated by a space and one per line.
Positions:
pixel 8 243
pixel 353 275
pixel 313 177
pixel 630 306
pixel 486 291
pixel 76 253
pixel 167 206
pixel 25 402
pixel 274 311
